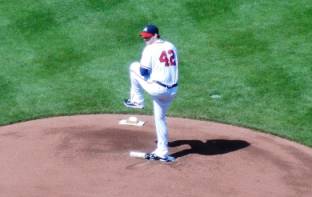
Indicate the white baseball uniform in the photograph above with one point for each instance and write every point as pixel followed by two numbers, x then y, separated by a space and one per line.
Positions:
pixel 161 59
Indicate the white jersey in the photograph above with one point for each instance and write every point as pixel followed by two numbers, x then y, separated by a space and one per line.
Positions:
pixel 161 59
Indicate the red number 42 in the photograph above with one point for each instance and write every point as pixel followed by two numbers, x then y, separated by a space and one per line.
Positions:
pixel 168 57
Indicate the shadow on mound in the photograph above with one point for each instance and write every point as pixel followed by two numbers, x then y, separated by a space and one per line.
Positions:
pixel 210 147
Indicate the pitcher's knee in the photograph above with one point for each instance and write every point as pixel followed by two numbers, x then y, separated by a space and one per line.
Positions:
pixel 134 66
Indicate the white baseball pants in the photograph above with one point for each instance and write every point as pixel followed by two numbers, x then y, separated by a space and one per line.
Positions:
pixel 162 98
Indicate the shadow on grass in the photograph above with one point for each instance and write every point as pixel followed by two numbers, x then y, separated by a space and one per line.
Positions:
pixel 210 147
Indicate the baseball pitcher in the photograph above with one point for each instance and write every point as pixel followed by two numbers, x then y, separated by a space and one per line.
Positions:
pixel 157 74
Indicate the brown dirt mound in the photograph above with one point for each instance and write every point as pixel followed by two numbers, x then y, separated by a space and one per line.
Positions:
pixel 88 156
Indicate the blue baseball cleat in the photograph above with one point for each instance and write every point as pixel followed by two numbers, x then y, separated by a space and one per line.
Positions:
pixel 153 156
pixel 128 103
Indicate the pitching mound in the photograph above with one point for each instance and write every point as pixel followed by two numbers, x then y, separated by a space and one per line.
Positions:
pixel 88 156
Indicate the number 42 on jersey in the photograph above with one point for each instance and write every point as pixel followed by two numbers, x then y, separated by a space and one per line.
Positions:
pixel 167 57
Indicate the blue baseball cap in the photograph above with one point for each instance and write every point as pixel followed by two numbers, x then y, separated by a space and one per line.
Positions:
pixel 149 31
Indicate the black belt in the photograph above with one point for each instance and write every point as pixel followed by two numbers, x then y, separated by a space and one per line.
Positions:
pixel 166 86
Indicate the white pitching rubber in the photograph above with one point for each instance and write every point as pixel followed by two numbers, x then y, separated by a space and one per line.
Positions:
pixel 137 154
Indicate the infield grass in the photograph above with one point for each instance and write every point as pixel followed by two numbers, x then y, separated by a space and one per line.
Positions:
pixel 71 57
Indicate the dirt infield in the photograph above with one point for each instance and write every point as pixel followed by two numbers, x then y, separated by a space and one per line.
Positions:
pixel 88 156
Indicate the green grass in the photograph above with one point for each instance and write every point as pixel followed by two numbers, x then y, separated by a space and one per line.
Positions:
pixel 71 57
